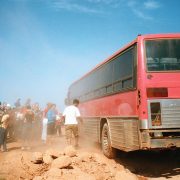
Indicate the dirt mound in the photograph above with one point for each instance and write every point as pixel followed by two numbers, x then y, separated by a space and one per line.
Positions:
pixel 78 166
pixel 65 164
pixel 58 161
pixel 87 162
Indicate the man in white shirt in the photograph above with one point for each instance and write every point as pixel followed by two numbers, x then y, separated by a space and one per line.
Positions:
pixel 71 116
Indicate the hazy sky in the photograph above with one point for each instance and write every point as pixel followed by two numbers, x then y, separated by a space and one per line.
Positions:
pixel 45 45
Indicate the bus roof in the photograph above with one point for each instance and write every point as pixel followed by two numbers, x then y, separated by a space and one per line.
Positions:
pixel 139 38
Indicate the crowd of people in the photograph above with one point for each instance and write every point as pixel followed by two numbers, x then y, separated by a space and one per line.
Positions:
pixel 28 122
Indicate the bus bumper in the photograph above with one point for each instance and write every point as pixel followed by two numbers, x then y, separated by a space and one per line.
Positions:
pixel 150 141
pixel 165 143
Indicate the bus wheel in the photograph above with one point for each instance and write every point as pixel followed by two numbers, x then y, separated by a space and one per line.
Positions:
pixel 108 151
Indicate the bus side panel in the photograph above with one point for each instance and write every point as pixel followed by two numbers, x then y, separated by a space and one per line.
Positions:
pixel 120 104
pixel 124 133
pixel 91 128
pixel 120 111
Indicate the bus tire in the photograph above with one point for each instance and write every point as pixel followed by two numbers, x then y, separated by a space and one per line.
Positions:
pixel 107 149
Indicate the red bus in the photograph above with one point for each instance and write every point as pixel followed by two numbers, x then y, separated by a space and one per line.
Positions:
pixel 131 100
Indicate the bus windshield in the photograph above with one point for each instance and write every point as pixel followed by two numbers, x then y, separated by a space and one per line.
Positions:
pixel 163 54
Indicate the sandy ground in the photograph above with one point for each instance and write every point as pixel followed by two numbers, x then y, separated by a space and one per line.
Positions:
pixel 16 164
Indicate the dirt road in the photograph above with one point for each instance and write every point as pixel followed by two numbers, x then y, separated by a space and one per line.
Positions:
pixel 88 163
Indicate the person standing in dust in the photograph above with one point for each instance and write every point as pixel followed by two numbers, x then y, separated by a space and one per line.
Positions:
pixel 44 123
pixel 51 116
pixel 3 131
pixel 37 121
pixel 72 116
pixel 27 128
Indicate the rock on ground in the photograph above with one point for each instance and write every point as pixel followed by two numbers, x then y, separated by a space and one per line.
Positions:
pixel 70 151
pixel 85 156
pixel 62 162
pixel 53 153
pixel 47 159
pixel 53 173
pixel 37 157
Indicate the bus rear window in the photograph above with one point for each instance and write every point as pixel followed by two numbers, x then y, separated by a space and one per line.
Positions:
pixel 163 54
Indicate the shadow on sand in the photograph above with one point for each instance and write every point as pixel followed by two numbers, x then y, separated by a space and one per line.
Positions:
pixel 152 164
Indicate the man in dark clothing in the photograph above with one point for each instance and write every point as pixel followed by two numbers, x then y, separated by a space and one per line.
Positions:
pixel 27 127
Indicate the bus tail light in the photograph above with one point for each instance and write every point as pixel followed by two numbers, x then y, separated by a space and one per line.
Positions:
pixel 155 113
pixel 157 92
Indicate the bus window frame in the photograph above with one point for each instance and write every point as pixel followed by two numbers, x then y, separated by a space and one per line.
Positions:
pixel 145 58
pixel 123 90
